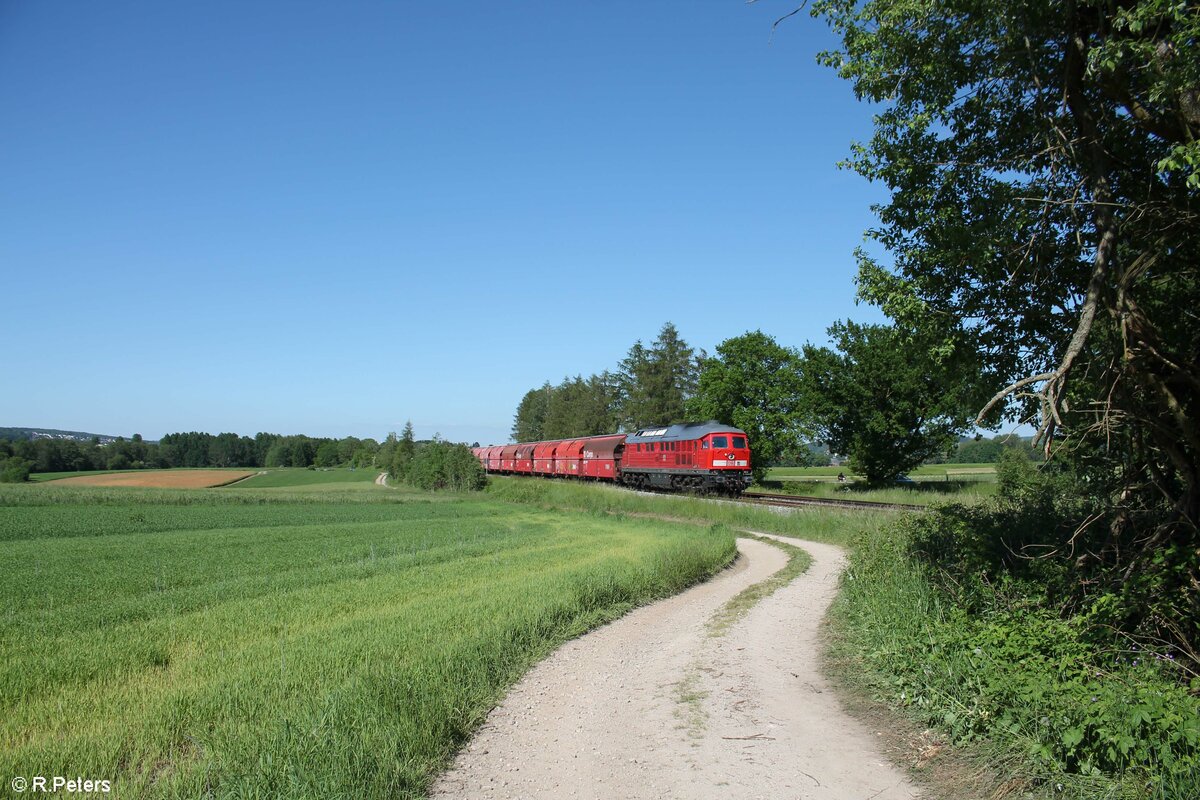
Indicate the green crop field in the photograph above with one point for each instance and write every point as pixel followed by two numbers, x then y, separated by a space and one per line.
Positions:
pixel 306 478
pixel 236 643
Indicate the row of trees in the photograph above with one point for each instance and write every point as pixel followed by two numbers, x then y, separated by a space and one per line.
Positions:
pixel 192 449
pixel 887 400
pixel 982 450
pixel 427 465
pixel 652 384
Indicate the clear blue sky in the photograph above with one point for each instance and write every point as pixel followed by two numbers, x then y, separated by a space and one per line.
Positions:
pixel 328 218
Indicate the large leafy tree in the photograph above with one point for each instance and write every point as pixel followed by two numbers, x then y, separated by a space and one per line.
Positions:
pixel 886 398
pixel 754 384
pixel 1043 159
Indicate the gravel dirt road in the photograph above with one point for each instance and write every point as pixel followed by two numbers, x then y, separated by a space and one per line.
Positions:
pixel 653 706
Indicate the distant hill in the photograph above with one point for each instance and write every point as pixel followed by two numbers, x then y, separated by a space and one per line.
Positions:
pixel 29 434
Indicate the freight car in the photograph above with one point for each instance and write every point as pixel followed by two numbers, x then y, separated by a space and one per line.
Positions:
pixel 698 457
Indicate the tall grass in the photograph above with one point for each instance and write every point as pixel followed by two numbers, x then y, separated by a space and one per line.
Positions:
pixel 293 647
pixel 1019 682
pixel 825 525
pixel 919 493
pixel 925 471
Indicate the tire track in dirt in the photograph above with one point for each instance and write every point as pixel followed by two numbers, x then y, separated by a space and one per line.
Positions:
pixel 652 706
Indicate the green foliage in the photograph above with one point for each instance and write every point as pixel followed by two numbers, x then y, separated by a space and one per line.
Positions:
pixel 443 465
pixel 981 450
pixel 656 382
pixel 575 407
pixel 886 398
pixel 326 455
pixel 579 407
pixel 754 384
pixel 651 386
pixel 14 470
pixel 943 619
pixel 402 454
pixel 530 419
pixel 1042 162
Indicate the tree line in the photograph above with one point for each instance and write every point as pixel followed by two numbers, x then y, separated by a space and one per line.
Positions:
pixel 878 396
pixel 651 384
pixel 191 449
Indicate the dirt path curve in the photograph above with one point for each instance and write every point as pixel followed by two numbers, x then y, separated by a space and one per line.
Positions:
pixel 381 479
pixel 651 706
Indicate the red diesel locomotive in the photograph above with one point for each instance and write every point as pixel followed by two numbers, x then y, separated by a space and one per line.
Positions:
pixel 699 457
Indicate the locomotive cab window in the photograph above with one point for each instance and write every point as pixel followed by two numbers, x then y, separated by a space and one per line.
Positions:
pixel 720 441
pixel 739 442
pixel 704 445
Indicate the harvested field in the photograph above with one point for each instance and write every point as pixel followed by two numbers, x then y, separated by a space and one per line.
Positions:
pixel 160 479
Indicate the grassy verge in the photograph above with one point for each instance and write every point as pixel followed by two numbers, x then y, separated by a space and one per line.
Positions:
pixel 920 493
pixel 236 643
pixel 823 525
pixel 1048 708
pixel 925 472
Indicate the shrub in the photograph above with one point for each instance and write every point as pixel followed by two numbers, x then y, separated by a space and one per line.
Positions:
pixel 442 465
pixel 15 470
pixel 959 621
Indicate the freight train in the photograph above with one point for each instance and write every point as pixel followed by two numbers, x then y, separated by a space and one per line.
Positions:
pixel 706 456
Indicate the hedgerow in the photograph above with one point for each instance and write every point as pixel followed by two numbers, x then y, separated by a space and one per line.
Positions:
pixel 952 619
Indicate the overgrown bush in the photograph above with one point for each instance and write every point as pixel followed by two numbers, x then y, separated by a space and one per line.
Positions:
pixel 15 470
pixel 442 465
pixel 973 617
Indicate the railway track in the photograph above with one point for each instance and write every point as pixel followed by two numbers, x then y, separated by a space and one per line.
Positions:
pixel 791 501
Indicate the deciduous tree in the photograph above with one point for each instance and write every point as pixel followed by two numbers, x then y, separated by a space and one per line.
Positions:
pixel 1043 160
pixel 754 384
pixel 884 398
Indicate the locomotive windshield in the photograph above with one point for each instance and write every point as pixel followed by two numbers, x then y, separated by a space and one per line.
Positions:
pixel 739 441
pixel 720 441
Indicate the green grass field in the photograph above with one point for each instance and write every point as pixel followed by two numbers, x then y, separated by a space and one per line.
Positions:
pixel 919 493
pixel 932 483
pixel 239 643
pixel 824 525
pixel 307 478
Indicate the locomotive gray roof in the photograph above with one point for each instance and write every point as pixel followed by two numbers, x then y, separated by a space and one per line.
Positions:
pixel 671 433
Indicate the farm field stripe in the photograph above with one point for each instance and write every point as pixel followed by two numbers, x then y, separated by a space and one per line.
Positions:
pixel 166 479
